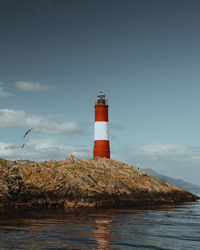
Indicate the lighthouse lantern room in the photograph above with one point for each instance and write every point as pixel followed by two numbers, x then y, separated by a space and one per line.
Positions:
pixel 101 131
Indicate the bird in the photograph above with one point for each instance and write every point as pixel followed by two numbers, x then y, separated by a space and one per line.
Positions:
pixel 21 146
pixel 28 131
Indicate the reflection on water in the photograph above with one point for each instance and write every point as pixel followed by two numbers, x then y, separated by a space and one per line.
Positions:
pixel 102 234
pixel 171 227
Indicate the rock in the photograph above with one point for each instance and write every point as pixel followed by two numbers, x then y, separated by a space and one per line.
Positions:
pixel 141 173
pixel 82 183
pixel 14 168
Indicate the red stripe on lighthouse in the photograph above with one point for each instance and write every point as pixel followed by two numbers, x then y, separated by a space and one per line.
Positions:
pixel 101 113
pixel 101 133
pixel 101 149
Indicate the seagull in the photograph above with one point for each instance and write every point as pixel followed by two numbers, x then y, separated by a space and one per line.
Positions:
pixel 21 146
pixel 27 132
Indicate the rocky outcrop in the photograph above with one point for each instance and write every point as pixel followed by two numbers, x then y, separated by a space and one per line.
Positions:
pixel 82 183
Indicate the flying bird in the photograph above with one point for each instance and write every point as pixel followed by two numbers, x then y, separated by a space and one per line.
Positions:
pixel 28 131
pixel 21 146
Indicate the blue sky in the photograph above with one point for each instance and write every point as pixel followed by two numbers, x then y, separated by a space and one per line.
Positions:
pixel 55 57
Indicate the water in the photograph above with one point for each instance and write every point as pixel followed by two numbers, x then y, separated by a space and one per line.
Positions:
pixel 168 227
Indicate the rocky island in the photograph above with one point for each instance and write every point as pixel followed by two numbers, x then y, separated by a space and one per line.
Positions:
pixel 76 183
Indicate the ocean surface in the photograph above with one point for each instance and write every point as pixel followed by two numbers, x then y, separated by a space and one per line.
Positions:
pixel 166 227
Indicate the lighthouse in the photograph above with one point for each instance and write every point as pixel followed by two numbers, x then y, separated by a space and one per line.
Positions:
pixel 101 133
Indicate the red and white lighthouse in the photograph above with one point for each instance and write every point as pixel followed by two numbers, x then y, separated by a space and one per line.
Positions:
pixel 101 132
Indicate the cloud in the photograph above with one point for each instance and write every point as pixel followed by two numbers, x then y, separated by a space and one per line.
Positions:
pixel 178 161
pixel 116 126
pixel 42 149
pixel 31 86
pixel 19 119
pixel 4 93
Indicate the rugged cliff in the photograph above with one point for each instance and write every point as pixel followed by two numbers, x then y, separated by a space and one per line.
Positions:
pixel 82 183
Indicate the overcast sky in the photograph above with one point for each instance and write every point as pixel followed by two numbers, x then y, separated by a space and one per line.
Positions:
pixel 55 57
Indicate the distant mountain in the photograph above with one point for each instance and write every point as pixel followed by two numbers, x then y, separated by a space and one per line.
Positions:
pixel 177 182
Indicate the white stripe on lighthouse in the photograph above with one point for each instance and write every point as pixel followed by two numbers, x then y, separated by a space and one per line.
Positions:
pixel 101 131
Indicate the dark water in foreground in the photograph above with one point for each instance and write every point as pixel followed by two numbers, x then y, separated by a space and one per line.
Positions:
pixel 169 227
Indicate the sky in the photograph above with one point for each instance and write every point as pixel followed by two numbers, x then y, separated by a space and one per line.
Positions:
pixel 57 55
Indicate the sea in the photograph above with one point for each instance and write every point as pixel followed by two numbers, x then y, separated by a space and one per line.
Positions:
pixel 165 227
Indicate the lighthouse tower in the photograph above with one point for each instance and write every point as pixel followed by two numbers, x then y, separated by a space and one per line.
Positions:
pixel 101 137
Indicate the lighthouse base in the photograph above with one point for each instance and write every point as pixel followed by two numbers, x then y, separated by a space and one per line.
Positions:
pixel 101 149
